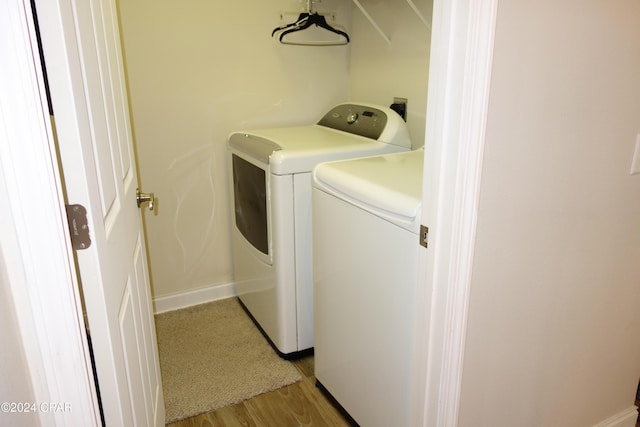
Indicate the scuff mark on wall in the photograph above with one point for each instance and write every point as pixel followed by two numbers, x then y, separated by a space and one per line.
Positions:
pixel 194 189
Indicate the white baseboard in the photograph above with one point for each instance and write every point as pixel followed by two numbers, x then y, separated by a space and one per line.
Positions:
pixel 193 297
pixel 626 418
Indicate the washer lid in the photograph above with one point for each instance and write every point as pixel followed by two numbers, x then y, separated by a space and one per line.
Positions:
pixel 388 186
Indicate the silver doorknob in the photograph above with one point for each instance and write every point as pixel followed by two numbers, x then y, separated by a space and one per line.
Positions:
pixel 144 198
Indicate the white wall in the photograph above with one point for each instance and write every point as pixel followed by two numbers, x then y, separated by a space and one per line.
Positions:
pixel 555 297
pixel 197 72
pixel 380 71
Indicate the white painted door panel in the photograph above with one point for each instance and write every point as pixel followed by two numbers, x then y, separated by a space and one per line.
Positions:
pixel 83 56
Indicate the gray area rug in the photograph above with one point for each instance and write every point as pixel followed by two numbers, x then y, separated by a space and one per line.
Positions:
pixel 211 356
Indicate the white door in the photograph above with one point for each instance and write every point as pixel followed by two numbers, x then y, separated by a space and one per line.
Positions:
pixel 83 58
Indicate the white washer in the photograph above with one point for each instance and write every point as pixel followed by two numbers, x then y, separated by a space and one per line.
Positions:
pixel 366 215
pixel 271 235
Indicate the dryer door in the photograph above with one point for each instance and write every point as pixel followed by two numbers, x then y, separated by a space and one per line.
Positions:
pixel 250 199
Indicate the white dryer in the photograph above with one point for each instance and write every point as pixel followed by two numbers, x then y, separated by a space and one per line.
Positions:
pixel 366 215
pixel 271 177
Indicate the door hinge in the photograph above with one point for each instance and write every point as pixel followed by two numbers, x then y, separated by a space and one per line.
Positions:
pixel 424 235
pixel 78 227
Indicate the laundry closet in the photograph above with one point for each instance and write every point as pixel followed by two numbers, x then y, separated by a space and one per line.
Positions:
pixel 198 71
pixel 545 292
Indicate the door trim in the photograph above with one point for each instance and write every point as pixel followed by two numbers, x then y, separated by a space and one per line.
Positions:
pixel 459 82
pixel 41 268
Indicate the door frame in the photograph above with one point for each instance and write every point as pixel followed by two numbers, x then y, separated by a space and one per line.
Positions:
pixel 35 243
pixel 458 101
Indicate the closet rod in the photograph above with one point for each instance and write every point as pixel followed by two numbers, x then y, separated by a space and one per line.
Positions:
pixel 422 18
pixel 364 12
pixel 377 27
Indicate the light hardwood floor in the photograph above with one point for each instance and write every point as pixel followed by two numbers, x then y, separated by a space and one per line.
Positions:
pixel 299 404
pixel 296 405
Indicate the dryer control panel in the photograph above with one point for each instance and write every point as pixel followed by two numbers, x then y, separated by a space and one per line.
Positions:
pixel 357 119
